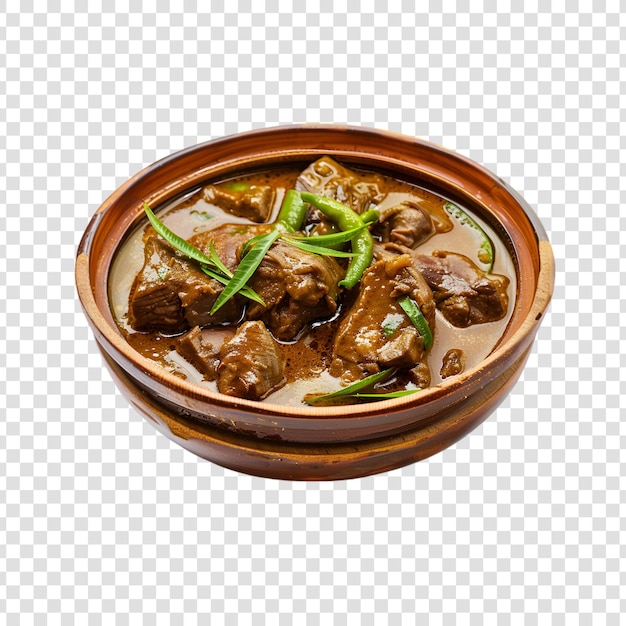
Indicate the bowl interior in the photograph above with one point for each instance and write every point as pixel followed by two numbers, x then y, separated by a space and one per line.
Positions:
pixel 430 166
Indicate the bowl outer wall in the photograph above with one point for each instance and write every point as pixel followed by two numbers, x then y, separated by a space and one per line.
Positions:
pixel 416 160
pixel 341 460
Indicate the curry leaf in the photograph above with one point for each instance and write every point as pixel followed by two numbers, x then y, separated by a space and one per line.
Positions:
pixel 253 242
pixel 217 261
pixel 207 264
pixel 220 278
pixel 331 239
pixel 246 268
pixel 302 243
pixel 363 385
pixel 172 238
pixel 387 396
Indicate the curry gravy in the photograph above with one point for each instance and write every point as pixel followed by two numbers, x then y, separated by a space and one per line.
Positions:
pixel 309 355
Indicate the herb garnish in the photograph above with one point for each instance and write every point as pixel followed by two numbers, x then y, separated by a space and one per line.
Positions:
pixel 411 308
pixel 360 390
pixel 253 252
pixel 247 266
pixel 211 265
pixel 485 252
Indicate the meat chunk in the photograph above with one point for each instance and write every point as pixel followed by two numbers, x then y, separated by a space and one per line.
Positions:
pixel 153 302
pixel 228 240
pixel 406 224
pixel 297 287
pixel 251 363
pixel 254 202
pixel 453 363
pixel 326 177
pixel 171 293
pixel 401 349
pixel 463 293
pixel 196 347
pixel 420 375
pixel 376 332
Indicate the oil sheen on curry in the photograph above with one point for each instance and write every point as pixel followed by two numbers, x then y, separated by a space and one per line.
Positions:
pixel 316 285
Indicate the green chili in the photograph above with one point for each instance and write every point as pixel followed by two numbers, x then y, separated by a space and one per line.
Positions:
pixel 339 213
pixel 292 212
pixel 414 313
pixel 331 240
pixel 370 216
pixel 347 219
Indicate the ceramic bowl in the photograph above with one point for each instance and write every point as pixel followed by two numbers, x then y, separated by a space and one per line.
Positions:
pixel 308 443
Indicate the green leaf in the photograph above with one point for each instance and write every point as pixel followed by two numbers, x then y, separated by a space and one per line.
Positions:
pixel 387 396
pixel 177 242
pixel 217 261
pixel 215 275
pixel 411 308
pixel 303 244
pixel 363 385
pixel 207 264
pixel 246 268
pixel 485 252
pixel 253 242
pixel 332 239
pixel 391 323
pixel 246 291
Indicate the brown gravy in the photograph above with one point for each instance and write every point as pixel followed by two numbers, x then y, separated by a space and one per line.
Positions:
pixel 309 356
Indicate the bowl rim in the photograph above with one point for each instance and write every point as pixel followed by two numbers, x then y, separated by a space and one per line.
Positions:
pixel 110 334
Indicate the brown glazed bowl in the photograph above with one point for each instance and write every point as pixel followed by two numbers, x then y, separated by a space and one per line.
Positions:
pixel 308 443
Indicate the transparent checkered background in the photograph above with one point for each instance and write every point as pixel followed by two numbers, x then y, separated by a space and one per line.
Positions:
pixel 102 520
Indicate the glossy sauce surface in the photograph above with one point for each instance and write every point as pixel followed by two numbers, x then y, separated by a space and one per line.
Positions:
pixel 309 356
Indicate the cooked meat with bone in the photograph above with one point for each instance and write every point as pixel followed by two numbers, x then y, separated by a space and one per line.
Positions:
pixel 463 293
pixel 251 363
pixel 376 332
pixel 172 293
pixel 254 202
pixel 327 178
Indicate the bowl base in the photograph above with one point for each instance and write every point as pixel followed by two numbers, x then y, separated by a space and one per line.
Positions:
pixel 295 461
